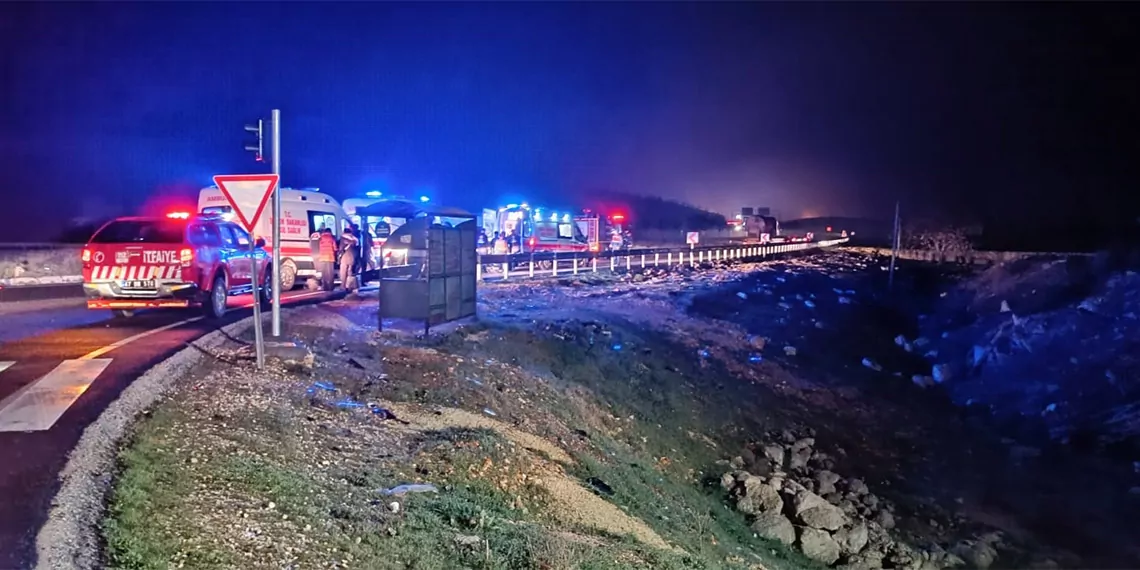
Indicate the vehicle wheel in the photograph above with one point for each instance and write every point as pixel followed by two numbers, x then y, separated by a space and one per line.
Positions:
pixel 288 275
pixel 122 313
pixel 215 303
pixel 266 293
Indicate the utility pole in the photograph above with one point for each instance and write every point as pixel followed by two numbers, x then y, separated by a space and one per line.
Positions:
pixel 894 248
pixel 275 141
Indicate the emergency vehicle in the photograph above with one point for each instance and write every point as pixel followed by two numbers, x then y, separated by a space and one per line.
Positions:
pixel 174 261
pixel 536 230
pixel 303 213
pixel 380 226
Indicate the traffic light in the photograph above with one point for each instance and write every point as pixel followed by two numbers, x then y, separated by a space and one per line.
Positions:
pixel 256 148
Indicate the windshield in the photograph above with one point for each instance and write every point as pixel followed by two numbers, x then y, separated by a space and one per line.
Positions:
pixel 142 231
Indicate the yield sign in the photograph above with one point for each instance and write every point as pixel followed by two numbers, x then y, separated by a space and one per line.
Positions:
pixel 248 194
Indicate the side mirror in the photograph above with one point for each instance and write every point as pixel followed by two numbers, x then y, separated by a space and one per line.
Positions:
pixel 259 243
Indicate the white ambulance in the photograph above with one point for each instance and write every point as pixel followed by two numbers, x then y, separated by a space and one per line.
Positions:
pixel 303 213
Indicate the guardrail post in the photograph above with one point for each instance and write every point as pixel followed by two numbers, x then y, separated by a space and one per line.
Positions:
pixel 576 264
pixel 478 270
pixel 656 258
pixel 532 265
pixel 692 259
pixel 506 270
pixel 668 258
pixel 627 269
pixel 594 264
pixel 643 261
pixel 554 268
pixel 611 263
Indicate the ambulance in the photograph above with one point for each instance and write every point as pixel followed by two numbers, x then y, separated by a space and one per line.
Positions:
pixel 304 212
pixel 381 227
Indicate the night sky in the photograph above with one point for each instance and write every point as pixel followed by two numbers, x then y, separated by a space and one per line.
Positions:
pixel 1016 114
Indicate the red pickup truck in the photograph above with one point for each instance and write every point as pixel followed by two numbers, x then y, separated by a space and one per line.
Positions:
pixel 174 261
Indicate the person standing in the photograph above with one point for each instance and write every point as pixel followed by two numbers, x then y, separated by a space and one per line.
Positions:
pixel 326 258
pixel 349 246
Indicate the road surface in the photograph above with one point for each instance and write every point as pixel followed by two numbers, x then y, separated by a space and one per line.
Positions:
pixel 60 366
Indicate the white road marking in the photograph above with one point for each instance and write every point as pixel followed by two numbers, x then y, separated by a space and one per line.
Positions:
pixel 121 343
pixel 41 404
pixel 5 364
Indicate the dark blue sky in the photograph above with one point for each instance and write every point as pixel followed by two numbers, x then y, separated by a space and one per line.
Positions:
pixel 1023 112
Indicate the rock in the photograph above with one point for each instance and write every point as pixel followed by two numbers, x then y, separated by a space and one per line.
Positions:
pixel 827 481
pixel 975 553
pixel 852 540
pixel 940 373
pixel 857 486
pixel 866 560
pixel 923 381
pixel 813 511
pixel 775 454
pixel 737 462
pixel 834 498
pixel 468 540
pixel 728 481
pixel 758 342
pixel 885 520
pixel 871 501
pixel 819 546
pixel 758 497
pixel 774 526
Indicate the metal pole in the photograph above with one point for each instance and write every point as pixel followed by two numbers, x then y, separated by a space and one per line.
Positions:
pixel 275 140
pixel 894 249
pixel 258 342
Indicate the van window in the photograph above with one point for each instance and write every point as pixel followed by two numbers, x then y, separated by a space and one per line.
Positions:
pixel 321 220
pixel 142 231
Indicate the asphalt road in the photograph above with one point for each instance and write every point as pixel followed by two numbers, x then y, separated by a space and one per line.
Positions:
pixel 48 381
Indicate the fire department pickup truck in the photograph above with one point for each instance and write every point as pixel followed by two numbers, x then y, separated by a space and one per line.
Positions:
pixel 176 261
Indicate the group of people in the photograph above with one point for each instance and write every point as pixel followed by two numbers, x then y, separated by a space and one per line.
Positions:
pixel 352 253
pixel 499 244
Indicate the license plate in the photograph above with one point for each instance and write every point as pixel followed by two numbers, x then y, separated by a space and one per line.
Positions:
pixel 138 284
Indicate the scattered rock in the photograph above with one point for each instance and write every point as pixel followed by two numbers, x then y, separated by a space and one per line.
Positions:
pixel 826 481
pixel 774 526
pixel 976 553
pixel 775 454
pixel 758 497
pixel 852 540
pixel 885 519
pixel 819 546
pixel 813 511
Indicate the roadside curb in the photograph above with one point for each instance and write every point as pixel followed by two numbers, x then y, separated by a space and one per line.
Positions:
pixel 70 536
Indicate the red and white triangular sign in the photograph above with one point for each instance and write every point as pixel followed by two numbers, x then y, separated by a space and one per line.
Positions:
pixel 248 194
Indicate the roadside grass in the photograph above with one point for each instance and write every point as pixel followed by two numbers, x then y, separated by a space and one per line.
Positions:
pixel 147 497
pixel 635 418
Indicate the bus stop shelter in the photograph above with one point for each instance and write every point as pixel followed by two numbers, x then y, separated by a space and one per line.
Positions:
pixel 429 263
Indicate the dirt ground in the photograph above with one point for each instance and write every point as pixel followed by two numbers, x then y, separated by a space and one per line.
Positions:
pixel 585 423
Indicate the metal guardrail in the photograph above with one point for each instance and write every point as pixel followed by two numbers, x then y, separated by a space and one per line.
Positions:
pixel 529 265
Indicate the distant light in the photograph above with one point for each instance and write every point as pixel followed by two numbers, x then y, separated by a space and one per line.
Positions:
pixel 373 193
pixel 228 216
pixel 512 206
pixel 829 228
pixel 313 189
pixel 618 217
pixel 565 217
pixel 423 198
pixel 554 217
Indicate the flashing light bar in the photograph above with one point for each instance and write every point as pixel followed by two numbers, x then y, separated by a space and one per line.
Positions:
pixel 179 215
pixel 373 194
pixel 423 198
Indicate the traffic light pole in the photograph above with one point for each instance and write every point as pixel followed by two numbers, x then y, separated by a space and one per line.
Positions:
pixel 275 141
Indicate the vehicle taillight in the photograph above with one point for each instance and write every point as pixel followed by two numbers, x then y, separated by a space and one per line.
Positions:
pixel 532 241
pixel 186 256
pixel 86 255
